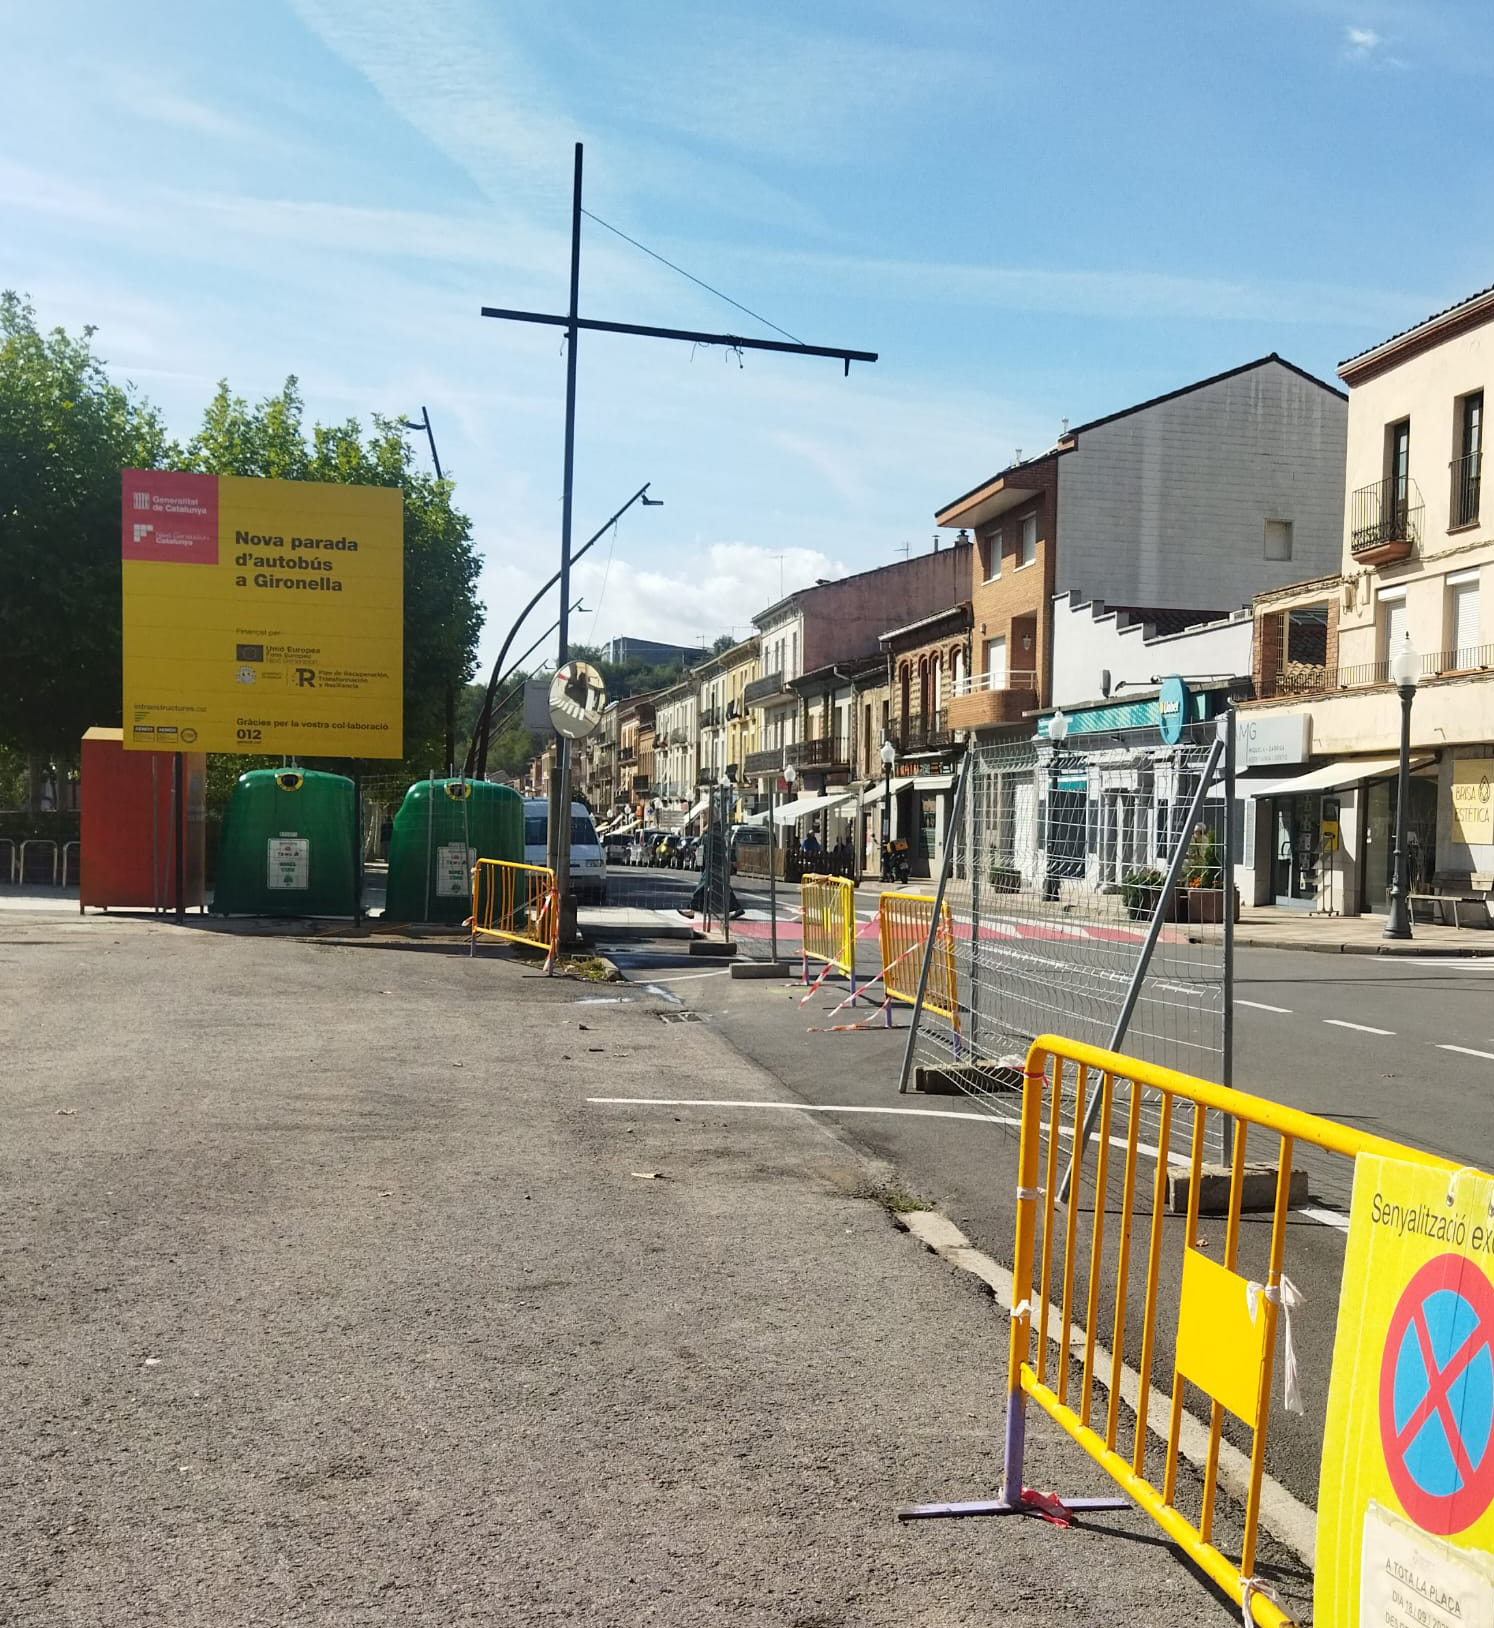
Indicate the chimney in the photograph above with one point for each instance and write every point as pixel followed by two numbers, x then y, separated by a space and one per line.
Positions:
pixel 963 540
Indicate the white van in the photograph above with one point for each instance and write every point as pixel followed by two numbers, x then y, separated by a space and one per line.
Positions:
pixel 588 864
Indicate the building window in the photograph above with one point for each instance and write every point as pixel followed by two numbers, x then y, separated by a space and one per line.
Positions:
pixel 1398 466
pixel 1468 459
pixel 1462 621
pixel 1028 553
pixel 1278 539
pixel 990 555
pixel 1307 636
pixel 1394 629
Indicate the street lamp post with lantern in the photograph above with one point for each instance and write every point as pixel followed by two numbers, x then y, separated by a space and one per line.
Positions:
pixel 889 757
pixel 1405 670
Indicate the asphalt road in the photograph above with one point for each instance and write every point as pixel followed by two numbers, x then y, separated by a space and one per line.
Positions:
pixel 1400 1081
pixel 333 1295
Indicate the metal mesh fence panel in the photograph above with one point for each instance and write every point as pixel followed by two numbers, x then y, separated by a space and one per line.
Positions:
pixel 1056 866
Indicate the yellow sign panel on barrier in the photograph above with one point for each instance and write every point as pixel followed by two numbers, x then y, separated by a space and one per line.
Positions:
pixel 262 616
pixel 1406 1504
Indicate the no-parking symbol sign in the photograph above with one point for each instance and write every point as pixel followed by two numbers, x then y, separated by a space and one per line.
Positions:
pixel 1406 1501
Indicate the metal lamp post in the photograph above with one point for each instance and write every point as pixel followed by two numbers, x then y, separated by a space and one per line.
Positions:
pixel 889 757
pixel 1405 670
pixel 1058 733
pixel 790 774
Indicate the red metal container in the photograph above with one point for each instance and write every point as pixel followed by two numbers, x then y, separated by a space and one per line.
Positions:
pixel 128 857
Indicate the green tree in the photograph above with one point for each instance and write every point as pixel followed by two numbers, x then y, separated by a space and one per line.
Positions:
pixel 66 432
pixel 442 615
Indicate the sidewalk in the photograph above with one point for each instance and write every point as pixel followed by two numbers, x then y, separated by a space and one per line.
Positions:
pixel 334 1297
pixel 1269 927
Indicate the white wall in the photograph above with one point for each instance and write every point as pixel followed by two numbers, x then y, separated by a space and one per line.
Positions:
pixel 1087 639
pixel 1167 507
pixel 1426 389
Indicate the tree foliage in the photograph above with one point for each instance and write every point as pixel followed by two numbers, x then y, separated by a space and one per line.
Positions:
pixel 66 431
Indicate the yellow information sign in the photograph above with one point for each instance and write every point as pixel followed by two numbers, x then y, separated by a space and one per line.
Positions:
pixel 1406 1503
pixel 262 616
pixel 1473 799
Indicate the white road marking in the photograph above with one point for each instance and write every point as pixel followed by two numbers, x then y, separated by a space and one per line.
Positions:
pixel 1363 1028
pixel 1262 1006
pixel 689 977
pixel 1147 1150
pixel 1467 1051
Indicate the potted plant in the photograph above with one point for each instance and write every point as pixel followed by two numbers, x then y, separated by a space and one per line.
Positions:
pixel 1141 889
pixel 1202 894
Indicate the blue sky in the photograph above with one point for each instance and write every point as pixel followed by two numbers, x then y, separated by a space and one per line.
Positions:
pixel 1032 212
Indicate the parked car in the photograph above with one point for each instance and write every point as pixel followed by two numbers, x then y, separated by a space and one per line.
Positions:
pixel 747 836
pixel 687 858
pixel 588 862
pixel 615 847
pixel 641 849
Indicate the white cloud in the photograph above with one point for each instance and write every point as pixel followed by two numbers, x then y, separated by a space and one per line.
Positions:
pixel 1366 48
pixel 713 589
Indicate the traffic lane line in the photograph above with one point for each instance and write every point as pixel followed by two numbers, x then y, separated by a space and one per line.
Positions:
pixel 1263 1006
pixel 1363 1028
pixel 1467 1051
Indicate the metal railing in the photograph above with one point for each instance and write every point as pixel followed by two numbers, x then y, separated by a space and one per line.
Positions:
pixel 1465 489
pixel 921 732
pixel 1387 511
pixel 819 752
pixel 628 754
pixel 1469 658
pixel 763 689
pixel 768 762
pixel 1020 678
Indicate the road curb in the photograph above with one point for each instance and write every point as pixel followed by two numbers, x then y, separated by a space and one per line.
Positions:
pixel 763 969
pixel 1409 951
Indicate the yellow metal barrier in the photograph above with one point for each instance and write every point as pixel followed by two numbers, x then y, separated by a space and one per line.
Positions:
pixel 905 925
pixel 1226 1319
pixel 518 903
pixel 829 921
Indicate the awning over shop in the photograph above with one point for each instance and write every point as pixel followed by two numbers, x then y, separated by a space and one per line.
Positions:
pixel 933 782
pixel 623 829
pixel 797 810
pixel 698 810
pixel 1348 771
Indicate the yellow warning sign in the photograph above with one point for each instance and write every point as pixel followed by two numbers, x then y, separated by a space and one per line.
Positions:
pixel 1406 1501
pixel 262 616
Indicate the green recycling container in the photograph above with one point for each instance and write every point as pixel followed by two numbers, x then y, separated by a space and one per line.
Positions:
pixel 442 829
pixel 288 846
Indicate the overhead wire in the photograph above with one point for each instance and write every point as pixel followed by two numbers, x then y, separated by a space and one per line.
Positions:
pixel 698 281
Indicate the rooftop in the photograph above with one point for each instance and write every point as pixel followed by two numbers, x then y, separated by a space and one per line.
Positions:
pixel 1478 307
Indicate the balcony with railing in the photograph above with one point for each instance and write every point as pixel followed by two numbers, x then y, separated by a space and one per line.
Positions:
pixel 756 764
pixel 764 689
pixel 1466 479
pixel 983 700
pixel 1305 678
pixel 627 754
pixel 710 718
pixel 1385 521
pixel 922 732
pixel 639 783
pixel 819 752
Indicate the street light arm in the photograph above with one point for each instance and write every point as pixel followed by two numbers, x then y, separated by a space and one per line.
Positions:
pixel 477 749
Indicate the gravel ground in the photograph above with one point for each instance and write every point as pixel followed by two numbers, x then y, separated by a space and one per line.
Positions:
pixel 329 1299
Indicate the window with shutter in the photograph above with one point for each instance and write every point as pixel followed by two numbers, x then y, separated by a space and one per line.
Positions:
pixel 1463 623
